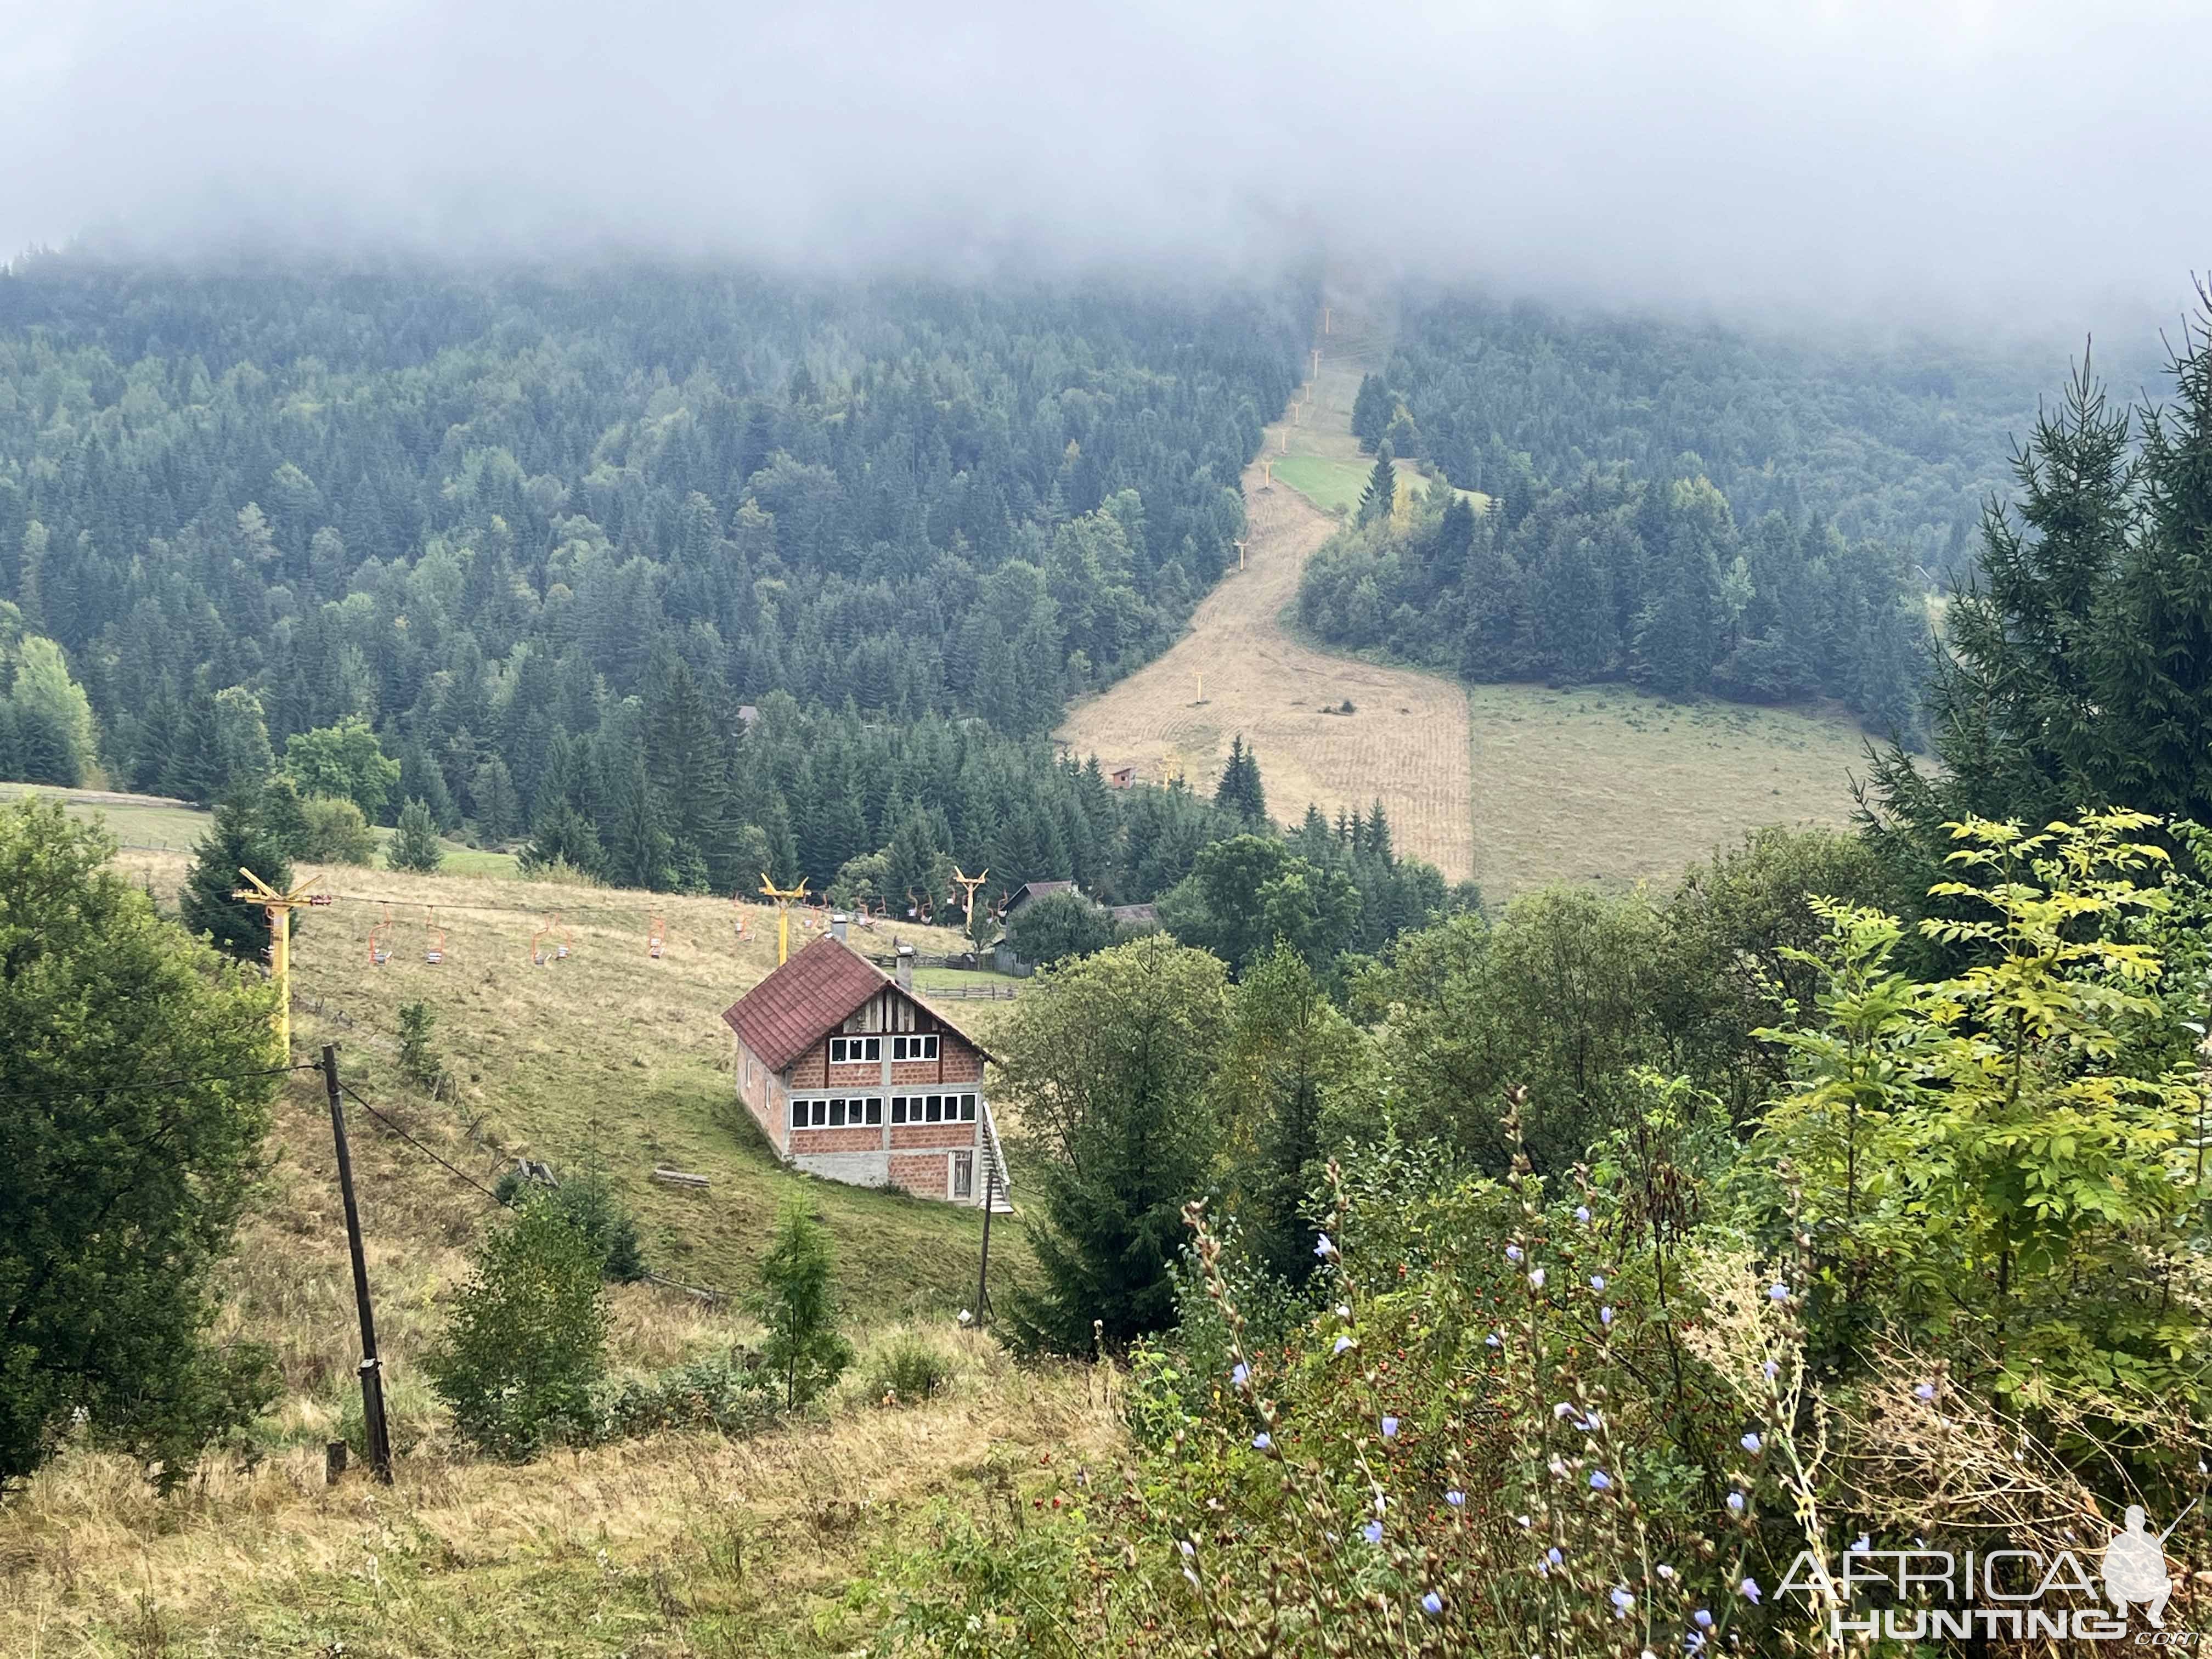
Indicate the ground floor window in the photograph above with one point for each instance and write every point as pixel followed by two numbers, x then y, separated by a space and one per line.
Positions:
pixel 837 1112
pixel 964 1175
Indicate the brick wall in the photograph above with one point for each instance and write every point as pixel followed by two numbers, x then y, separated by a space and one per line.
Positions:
pixel 926 1173
pixel 934 1134
pixel 810 1069
pixel 862 1139
pixel 758 1089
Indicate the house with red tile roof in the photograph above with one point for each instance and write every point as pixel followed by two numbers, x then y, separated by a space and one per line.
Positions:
pixel 851 1076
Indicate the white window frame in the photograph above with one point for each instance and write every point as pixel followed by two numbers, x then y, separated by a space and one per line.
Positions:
pixel 855 1050
pixel 921 1046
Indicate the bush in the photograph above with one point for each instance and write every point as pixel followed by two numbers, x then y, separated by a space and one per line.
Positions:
pixel 334 831
pixel 526 1344
pixel 732 1393
pixel 910 1370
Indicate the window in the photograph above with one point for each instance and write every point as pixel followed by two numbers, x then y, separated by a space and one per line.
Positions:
pixel 967 1109
pixel 914 1047
pixel 964 1175
pixel 798 1115
pixel 936 1114
pixel 875 1108
pixel 836 1114
pixel 898 1109
pixel 851 1051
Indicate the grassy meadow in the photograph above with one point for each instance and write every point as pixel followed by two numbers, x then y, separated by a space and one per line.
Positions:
pixel 155 824
pixel 678 1544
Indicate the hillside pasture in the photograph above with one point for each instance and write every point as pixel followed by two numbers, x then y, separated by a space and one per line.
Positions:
pixel 1602 783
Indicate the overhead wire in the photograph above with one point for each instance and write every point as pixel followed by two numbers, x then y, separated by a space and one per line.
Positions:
pixel 707 1291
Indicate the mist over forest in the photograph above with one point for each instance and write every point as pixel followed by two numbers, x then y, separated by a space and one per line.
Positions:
pixel 1246 832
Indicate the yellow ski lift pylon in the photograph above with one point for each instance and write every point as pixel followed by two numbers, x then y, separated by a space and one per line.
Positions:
pixel 783 896
pixel 654 935
pixel 379 949
pixel 541 957
pixel 434 940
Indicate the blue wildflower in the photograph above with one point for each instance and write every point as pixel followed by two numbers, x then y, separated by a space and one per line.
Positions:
pixel 1342 1343
pixel 1512 1252
pixel 1749 1591
pixel 1925 1391
pixel 1605 1317
pixel 1777 1291
pixel 1325 1247
pixel 1601 1481
pixel 1433 1604
pixel 1703 1619
pixel 1752 1444
pixel 1389 1428
pixel 1582 1213
pixel 1456 1498
pixel 1262 1441
pixel 1372 1531
pixel 1240 1377
pixel 1622 1601
pixel 1597 1281
pixel 1735 1503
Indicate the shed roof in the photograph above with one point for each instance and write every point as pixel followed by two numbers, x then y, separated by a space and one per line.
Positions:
pixel 810 996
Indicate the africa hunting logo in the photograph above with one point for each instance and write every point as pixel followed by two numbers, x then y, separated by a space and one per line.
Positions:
pixel 2016 1594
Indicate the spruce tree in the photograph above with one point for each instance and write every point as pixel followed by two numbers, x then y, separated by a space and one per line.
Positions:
pixel 1240 790
pixel 798 1309
pixel 1371 409
pixel 1381 495
pixel 236 839
pixel 415 845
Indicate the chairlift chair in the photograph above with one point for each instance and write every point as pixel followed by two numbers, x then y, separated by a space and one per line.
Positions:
pixel 541 957
pixel 379 952
pixel 434 945
pixel 657 929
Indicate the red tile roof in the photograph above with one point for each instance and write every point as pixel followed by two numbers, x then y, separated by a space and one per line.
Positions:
pixel 810 996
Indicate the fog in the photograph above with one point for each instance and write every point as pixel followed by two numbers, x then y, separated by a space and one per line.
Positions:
pixel 2037 162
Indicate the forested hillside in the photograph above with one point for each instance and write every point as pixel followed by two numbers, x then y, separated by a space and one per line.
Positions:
pixel 1693 509
pixel 1900 441
pixel 513 524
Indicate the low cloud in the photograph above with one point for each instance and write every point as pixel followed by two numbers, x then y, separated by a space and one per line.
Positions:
pixel 2030 161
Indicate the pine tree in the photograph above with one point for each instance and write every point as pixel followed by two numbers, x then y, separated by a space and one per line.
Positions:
pixel 236 839
pixel 798 1309
pixel 1240 790
pixel 1371 409
pixel 415 845
pixel 1381 496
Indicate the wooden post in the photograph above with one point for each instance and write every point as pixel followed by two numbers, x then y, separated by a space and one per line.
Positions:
pixel 374 1427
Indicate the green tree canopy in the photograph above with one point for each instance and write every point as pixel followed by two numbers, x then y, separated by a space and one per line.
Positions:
pixel 345 760
pixel 799 1307
pixel 1108 1063
pixel 118 1197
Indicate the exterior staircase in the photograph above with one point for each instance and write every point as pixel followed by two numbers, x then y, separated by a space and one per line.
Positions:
pixel 994 1180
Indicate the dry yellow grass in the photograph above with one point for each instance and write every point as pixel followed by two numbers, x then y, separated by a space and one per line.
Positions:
pixel 1405 744
pixel 678 1545
pixel 609 1057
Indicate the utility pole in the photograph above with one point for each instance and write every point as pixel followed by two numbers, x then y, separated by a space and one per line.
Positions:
pixel 373 1426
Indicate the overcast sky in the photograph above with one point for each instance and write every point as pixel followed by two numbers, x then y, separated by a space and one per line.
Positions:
pixel 2043 160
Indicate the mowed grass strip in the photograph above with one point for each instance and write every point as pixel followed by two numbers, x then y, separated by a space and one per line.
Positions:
pixel 1602 783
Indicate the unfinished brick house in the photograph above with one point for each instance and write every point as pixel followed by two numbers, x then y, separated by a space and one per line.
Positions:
pixel 853 1079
